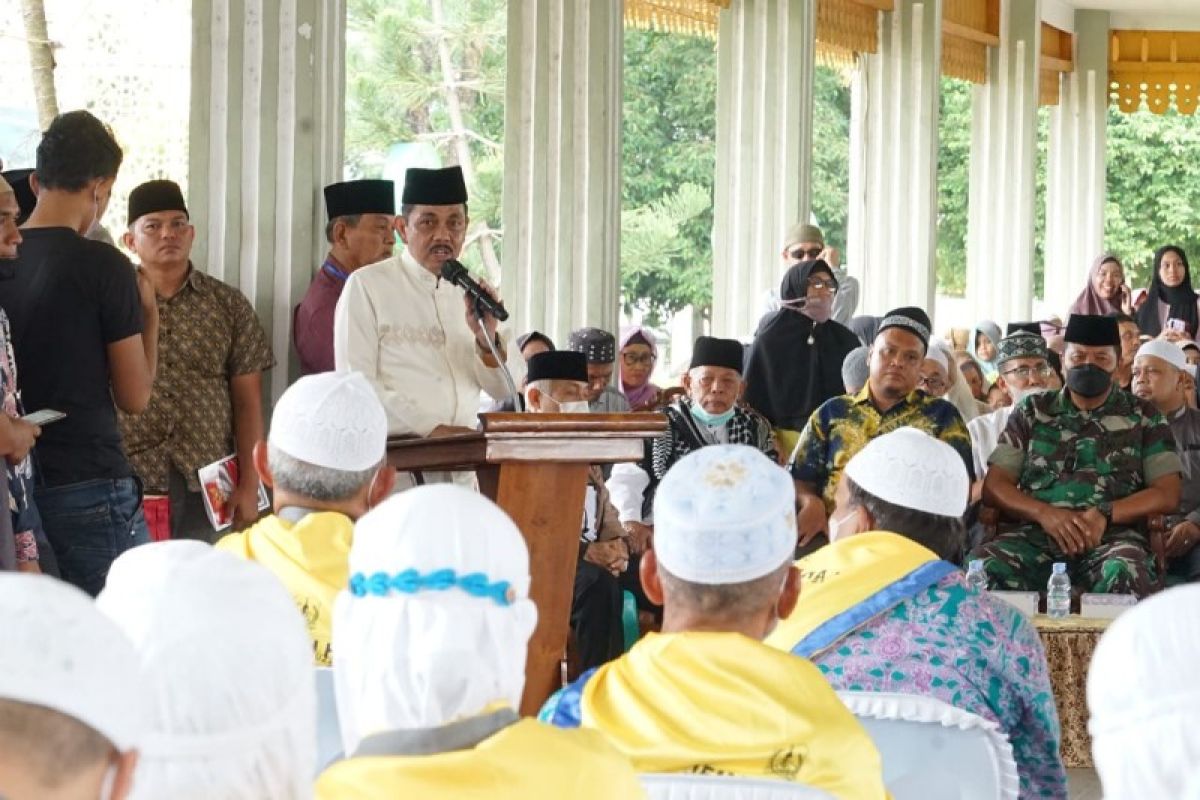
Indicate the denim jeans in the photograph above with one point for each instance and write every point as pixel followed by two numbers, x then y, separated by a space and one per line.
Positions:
pixel 89 524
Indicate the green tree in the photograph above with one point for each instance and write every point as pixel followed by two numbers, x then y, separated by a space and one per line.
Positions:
pixel 831 153
pixel 954 164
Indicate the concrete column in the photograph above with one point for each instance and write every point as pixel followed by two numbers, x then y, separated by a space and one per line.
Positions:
pixel 1004 122
pixel 765 61
pixel 266 130
pixel 893 160
pixel 1075 179
pixel 562 165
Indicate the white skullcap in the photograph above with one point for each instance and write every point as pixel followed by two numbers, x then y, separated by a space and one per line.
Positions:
pixel 61 653
pixel 1168 351
pixel 938 354
pixel 724 514
pixel 911 469
pixel 227 665
pixel 435 624
pixel 1144 699
pixel 333 420
pixel 1191 370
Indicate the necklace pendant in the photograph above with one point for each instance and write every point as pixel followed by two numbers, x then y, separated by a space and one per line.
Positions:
pixel 810 338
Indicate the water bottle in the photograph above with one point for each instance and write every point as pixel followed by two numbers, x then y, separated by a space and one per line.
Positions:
pixel 976 577
pixel 1058 592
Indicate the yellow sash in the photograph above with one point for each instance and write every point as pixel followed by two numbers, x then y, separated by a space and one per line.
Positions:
pixel 852 581
pixel 721 703
pixel 527 760
pixel 310 558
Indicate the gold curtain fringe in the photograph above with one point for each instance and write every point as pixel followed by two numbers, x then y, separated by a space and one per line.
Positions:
pixel 688 17
pixel 847 26
pixel 964 60
pixel 1048 88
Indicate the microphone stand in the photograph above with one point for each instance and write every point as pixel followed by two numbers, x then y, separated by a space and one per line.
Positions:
pixel 491 343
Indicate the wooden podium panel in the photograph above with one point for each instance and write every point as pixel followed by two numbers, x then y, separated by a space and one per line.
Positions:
pixel 535 467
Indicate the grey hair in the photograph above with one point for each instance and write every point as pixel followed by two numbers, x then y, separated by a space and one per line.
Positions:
pixel 725 601
pixel 323 484
pixel 545 386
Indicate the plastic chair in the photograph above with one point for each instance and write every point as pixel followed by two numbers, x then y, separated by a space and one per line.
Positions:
pixel 329 729
pixel 629 619
pixel 685 786
pixel 932 750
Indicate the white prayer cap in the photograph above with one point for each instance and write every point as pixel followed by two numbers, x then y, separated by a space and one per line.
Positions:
pixel 1168 351
pixel 435 623
pixel 227 664
pixel 1191 370
pixel 333 420
pixel 911 469
pixel 938 354
pixel 61 653
pixel 724 514
pixel 1144 699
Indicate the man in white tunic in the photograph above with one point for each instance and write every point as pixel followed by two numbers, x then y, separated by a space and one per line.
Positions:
pixel 413 335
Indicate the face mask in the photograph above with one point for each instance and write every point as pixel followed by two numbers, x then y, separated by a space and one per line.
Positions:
pixel 573 407
pixel 95 215
pixel 711 420
pixel 835 526
pixel 1088 381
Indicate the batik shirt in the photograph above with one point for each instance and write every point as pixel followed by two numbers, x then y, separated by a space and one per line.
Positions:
pixel 843 425
pixel 1071 458
pixel 973 652
pixel 20 477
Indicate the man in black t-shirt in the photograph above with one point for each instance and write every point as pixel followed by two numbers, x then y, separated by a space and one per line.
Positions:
pixel 84 329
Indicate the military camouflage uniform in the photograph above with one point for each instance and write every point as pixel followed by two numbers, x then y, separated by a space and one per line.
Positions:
pixel 1077 459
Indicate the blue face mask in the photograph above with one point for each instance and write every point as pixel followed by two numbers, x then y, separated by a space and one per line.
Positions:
pixel 711 420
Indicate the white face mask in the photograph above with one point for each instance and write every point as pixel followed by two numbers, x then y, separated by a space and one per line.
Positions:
pixel 574 407
pixel 835 527
pixel 95 215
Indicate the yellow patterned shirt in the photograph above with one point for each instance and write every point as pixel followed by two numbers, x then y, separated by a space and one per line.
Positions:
pixel 843 425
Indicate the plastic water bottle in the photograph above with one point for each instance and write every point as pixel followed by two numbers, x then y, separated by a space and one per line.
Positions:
pixel 976 577
pixel 1058 592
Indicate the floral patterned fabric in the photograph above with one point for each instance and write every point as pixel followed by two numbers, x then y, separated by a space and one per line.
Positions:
pixel 973 652
pixel 20 477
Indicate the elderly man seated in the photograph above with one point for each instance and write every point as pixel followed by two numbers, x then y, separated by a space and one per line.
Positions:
pixel 1160 376
pixel 227 669
pixel 1081 469
pixel 884 604
pixel 706 695
pixel 431 636
pixel 556 383
pixel 72 706
pixel 325 458
pixel 600 348
pixel 890 400
pixel 707 414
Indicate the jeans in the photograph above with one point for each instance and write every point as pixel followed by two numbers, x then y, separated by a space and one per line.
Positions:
pixel 89 524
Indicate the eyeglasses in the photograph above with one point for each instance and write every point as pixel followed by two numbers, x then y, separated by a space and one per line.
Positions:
pixel 933 384
pixel 806 255
pixel 634 359
pixel 1025 373
pixel 821 284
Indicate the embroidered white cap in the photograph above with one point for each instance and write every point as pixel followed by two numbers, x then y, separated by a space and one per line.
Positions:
pixel 1168 351
pixel 333 420
pixel 62 653
pixel 724 514
pixel 911 469
pixel 938 354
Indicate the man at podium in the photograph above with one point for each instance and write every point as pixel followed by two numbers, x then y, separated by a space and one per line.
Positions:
pixel 413 335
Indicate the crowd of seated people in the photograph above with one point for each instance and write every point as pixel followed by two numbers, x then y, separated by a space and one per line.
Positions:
pixel 798 529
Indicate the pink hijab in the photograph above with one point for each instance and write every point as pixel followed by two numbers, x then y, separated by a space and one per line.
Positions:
pixel 1089 300
pixel 644 394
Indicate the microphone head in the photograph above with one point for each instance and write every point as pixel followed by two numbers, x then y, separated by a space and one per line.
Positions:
pixel 452 269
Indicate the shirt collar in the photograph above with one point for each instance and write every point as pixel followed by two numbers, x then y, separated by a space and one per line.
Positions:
pixel 864 396
pixel 411 264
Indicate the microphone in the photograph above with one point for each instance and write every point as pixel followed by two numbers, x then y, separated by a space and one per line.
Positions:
pixel 457 274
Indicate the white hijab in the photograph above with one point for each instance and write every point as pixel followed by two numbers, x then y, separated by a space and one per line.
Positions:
pixel 423 659
pixel 1144 699
pixel 228 669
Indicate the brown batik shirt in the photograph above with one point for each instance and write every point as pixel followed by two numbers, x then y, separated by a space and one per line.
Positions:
pixel 208 334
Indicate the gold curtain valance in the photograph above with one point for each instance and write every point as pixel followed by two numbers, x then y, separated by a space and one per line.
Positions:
pixel 1159 67
pixel 1057 57
pixel 691 17
pixel 969 28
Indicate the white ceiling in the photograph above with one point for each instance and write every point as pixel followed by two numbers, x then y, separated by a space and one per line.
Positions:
pixel 1177 15
pixel 1184 7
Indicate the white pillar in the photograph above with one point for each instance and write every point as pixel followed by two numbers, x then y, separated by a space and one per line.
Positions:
pixel 1076 170
pixel 562 165
pixel 893 160
pixel 1004 122
pixel 765 61
pixel 266 130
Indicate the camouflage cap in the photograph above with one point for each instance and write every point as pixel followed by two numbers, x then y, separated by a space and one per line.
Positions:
pixel 1021 344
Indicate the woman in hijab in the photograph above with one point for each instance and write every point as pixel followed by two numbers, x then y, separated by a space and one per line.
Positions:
pixel 983 348
pixel 865 327
pixel 639 354
pixel 1171 304
pixel 1106 291
pixel 795 362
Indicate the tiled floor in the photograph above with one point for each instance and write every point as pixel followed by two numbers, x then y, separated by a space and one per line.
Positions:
pixel 1084 784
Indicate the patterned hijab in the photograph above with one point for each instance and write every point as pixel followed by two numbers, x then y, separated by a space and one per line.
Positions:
pixel 638 396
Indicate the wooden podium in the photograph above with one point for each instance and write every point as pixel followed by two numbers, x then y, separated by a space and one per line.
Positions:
pixel 535 466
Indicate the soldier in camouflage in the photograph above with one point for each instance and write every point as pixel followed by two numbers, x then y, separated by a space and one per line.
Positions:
pixel 1082 467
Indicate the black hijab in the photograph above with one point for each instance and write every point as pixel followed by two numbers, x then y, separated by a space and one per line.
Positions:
pixel 795 364
pixel 1180 299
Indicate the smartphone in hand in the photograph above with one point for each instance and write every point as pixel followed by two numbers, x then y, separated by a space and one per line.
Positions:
pixel 43 417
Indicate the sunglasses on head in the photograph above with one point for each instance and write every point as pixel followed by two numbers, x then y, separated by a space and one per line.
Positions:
pixel 805 255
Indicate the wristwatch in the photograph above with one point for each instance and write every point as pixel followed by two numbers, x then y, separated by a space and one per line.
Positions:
pixel 1105 509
